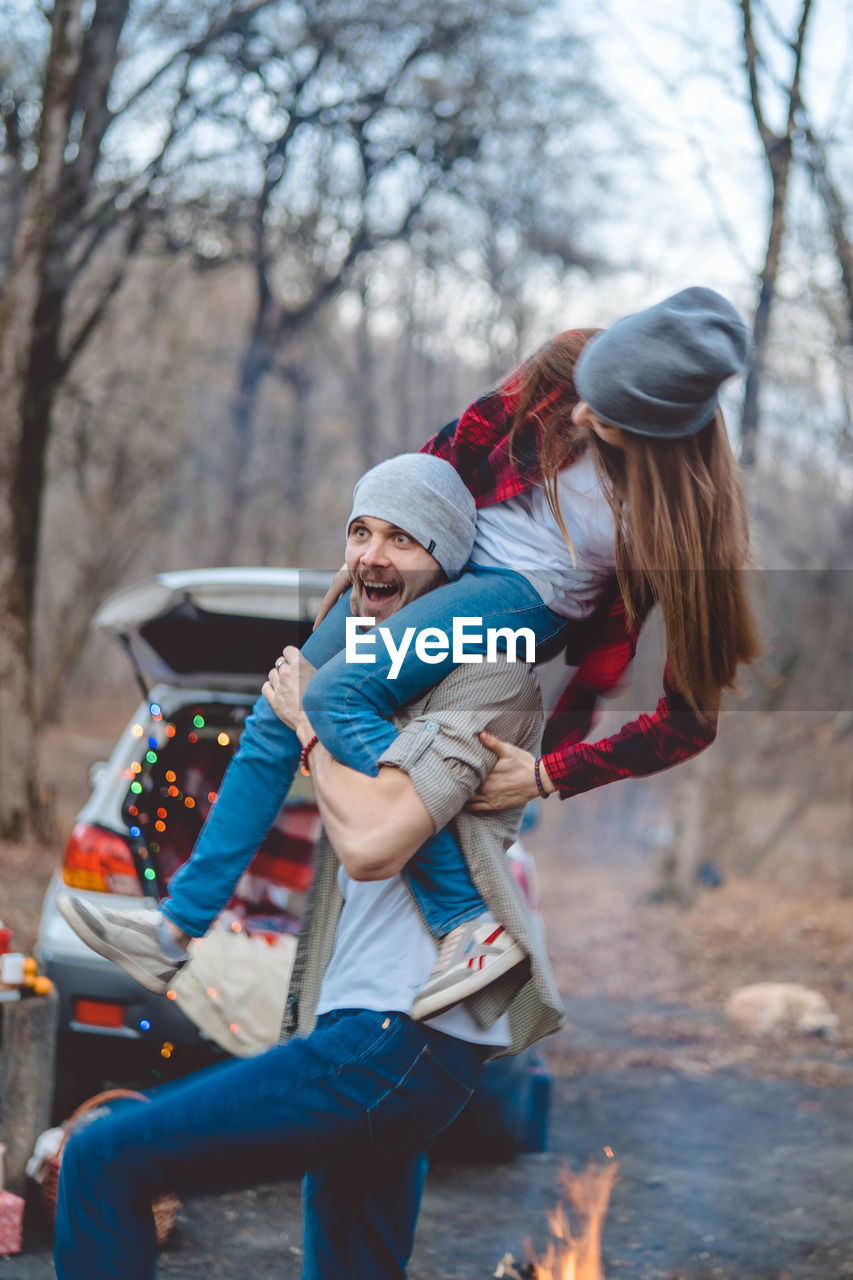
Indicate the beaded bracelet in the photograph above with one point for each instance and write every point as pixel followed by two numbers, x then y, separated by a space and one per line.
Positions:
pixel 536 764
pixel 305 753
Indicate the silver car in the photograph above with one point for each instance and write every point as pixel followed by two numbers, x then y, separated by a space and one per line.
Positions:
pixel 200 643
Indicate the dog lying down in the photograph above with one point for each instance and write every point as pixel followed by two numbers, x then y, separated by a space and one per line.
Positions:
pixel 770 1008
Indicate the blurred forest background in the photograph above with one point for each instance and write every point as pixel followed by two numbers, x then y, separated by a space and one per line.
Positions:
pixel 248 250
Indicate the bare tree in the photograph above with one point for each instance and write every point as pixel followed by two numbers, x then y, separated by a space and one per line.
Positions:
pixel 380 145
pixel 21 456
pixel 778 149
pixel 292 139
pixel 65 221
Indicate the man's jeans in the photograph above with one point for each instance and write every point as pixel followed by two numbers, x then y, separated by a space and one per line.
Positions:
pixel 354 1105
pixel 350 706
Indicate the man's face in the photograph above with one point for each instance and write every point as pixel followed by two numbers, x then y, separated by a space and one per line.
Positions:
pixel 389 568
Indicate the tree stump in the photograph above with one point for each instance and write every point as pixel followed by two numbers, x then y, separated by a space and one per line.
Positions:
pixel 27 1063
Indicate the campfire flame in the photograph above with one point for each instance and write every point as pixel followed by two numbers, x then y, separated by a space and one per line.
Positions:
pixel 570 1256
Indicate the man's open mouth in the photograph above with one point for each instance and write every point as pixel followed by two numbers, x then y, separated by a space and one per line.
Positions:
pixel 379 593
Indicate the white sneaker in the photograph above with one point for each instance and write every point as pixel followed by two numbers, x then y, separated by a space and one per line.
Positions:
pixel 129 938
pixel 470 957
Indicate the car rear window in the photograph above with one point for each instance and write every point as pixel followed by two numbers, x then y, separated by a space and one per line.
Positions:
pixel 174 783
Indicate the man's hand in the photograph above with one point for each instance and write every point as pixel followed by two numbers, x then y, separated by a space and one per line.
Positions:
pixel 284 688
pixel 512 780
pixel 337 587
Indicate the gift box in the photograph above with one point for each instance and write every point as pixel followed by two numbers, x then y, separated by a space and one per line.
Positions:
pixel 11 1215
pixel 11 1222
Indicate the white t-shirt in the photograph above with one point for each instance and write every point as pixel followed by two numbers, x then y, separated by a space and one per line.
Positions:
pixel 522 534
pixel 384 954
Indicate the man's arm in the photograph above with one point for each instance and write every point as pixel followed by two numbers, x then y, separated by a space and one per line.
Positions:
pixel 374 824
pixel 434 766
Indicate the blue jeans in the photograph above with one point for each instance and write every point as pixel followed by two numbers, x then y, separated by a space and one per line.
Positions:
pixel 350 706
pixel 365 1091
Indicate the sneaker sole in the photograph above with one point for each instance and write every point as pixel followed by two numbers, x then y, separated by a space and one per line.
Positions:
pixel 67 910
pixel 437 1002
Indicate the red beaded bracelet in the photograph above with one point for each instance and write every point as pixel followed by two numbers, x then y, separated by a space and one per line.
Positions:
pixel 305 753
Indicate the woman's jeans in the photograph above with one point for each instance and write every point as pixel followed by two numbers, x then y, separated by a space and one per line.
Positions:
pixel 353 1106
pixel 350 705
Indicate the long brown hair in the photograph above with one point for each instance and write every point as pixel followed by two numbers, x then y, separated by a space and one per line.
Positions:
pixel 546 389
pixel 682 533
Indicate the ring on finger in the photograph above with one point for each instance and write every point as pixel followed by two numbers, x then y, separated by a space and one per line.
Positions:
pixel 280 662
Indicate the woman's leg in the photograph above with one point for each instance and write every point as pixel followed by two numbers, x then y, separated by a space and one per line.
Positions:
pixel 252 792
pixel 347 701
pixel 350 704
pixel 346 708
pixel 362 1084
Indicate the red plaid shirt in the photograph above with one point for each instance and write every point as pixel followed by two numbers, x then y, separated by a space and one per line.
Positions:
pixel 601 649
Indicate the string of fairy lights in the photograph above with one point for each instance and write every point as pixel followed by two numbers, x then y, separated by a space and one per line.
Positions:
pixel 160 735
pixel 136 774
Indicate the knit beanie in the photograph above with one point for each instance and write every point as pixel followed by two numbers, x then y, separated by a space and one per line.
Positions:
pixel 424 496
pixel 657 372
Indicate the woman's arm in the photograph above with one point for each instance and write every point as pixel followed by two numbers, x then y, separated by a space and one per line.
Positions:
pixel 513 779
pixel 647 745
pixel 675 732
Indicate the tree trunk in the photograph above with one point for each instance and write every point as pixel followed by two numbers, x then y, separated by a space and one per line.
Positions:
pixel 778 151
pixel 296 487
pixel 20 463
pixel 256 364
pixel 365 406
pixel 761 323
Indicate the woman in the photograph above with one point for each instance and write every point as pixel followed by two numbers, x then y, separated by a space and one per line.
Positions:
pixel 614 445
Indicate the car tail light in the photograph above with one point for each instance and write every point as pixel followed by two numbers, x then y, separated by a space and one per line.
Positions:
pixel 99 1013
pixel 99 860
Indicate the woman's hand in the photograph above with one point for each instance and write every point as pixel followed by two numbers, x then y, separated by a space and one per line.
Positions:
pixel 512 780
pixel 339 584
pixel 284 687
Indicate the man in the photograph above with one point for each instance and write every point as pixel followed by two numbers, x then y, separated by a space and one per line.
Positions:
pixel 152 946
pixel 356 1095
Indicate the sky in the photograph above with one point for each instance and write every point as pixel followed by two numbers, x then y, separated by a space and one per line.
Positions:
pixel 677 70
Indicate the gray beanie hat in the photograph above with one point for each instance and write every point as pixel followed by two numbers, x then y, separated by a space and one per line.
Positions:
pixel 657 372
pixel 424 496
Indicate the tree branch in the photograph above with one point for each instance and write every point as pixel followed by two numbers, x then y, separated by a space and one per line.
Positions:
pixel 768 138
pixel 231 21
pixel 836 214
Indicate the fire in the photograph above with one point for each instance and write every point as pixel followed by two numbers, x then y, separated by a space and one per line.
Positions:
pixel 570 1256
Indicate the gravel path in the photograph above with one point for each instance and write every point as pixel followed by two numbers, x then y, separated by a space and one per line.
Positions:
pixel 722 1175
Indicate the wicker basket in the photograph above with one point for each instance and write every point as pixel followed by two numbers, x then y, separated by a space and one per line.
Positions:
pixel 164 1207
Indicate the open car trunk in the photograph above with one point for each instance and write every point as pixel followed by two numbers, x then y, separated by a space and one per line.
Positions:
pixel 212 628
pixel 172 788
pixel 212 632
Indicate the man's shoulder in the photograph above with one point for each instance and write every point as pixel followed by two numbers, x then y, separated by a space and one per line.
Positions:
pixel 488 679
pixel 501 695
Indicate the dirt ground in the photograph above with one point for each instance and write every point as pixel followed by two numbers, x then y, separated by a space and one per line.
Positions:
pixel 733 1151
